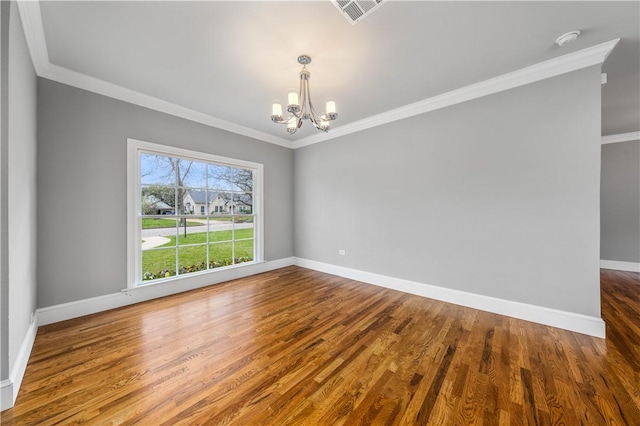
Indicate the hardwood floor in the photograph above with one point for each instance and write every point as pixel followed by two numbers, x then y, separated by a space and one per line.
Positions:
pixel 295 346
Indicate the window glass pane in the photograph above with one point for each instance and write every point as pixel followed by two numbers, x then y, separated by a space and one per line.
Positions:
pixel 230 178
pixel 158 263
pixel 157 170
pixel 223 200
pixel 217 203
pixel 181 168
pixel 243 251
pixel 192 259
pixel 220 228
pixel 192 231
pixel 243 226
pixel 194 174
pixel 244 202
pixel 157 200
pixel 194 201
pixel 220 254
pixel 154 227
pixel 158 232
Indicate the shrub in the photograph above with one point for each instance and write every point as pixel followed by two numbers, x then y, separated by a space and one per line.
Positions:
pixel 166 273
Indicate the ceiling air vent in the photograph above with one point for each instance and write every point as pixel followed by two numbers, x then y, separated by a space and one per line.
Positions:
pixel 357 10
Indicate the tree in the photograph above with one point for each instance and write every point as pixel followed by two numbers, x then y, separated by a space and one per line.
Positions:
pixel 154 193
pixel 237 179
pixel 174 171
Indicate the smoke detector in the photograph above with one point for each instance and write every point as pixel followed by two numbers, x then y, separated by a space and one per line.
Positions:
pixel 567 37
pixel 356 10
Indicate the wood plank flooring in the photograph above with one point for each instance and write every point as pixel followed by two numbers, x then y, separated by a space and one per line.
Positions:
pixel 295 346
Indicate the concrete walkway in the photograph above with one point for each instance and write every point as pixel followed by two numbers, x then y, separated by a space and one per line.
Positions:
pixel 151 242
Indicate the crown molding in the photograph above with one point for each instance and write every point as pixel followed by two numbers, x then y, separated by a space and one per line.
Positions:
pixel 621 137
pixel 551 68
pixel 31 18
pixel 82 81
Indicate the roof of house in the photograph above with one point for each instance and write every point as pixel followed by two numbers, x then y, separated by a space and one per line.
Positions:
pixel 200 197
pixel 155 202
pixel 204 197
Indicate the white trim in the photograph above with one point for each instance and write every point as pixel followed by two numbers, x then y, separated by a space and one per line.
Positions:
pixel 34 32
pixel 133 202
pixel 31 18
pixel 567 320
pixel 78 308
pixel 6 395
pixel 134 147
pixel 579 323
pixel 620 266
pixel 82 81
pixel 9 388
pixel 551 68
pixel 621 137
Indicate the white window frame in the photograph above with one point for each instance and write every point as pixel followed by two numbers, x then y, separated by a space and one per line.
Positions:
pixel 134 228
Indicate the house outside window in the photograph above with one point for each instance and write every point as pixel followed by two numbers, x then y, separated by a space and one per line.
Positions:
pixel 167 240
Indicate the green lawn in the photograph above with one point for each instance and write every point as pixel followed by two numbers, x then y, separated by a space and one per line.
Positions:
pixel 153 223
pixel 161 262
pixel 201 237
pixel 238 219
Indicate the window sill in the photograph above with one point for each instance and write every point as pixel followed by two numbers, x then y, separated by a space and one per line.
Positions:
pixel 194 277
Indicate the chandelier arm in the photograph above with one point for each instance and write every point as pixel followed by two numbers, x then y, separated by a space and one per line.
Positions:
pixel 312 110
pixel 316 123
pixel 303 97
pixel 288 120
pixel 314 117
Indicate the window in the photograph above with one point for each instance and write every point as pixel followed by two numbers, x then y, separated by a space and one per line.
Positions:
pixel 173 194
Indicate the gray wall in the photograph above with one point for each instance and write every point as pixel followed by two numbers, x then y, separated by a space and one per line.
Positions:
pixel 20 188
pixel 620 202
pixel 498 196
pixel 82 168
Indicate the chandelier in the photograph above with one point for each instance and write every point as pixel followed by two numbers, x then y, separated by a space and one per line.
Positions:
pixel 300 106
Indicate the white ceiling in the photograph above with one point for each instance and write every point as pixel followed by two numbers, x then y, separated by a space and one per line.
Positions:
pixel 230 60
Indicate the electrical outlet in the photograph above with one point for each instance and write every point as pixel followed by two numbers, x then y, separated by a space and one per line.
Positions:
pixel 342 252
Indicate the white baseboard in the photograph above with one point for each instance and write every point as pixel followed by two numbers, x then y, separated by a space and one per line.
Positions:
pixel 6 395
pixel 9 388
pixel 620 266
pixel 93 305
pixel 592 326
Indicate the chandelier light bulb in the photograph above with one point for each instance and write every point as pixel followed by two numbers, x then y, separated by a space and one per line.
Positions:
pixel 293 98
pixel 276 109
pixel 331 107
